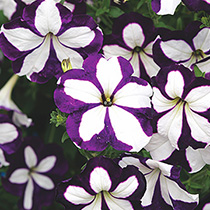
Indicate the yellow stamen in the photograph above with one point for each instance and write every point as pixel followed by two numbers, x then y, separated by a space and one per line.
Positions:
pixel 66 65
pixel 108 99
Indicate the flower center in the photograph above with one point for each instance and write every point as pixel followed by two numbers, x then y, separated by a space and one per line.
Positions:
pixel 137 49
pixel 199 54
pixel 107 101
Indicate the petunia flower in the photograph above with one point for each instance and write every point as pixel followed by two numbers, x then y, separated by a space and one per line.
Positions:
pixel 164 7
pixel 10 135
pixel 181 102
pixel 103 185
pixel 187 48
pixel 132 37
pixel 106 105
pixel 164 189
pixel 34 172
pixel 46 34
pixel 198 5
pixel 7 103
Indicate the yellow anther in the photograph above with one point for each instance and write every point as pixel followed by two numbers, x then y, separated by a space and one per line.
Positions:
pixel 108 99
pixel 66 65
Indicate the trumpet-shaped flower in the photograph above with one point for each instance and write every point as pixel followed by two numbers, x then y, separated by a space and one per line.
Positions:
pixel 33 173
pixel 164 189
pixel 103 185
pixel 46 34
pixel 6 103
pixel 106 105
pixel 182 103
pixel 132 37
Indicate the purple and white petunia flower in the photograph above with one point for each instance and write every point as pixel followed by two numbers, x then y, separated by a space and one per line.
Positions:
pixel 46 34
pixel 165 7
pixel 10 135
pixel 132 37
pixel 103 185
pixel 6 103
pixel 193 160
pixel 164 189
pixel 187 48
pixel 34 171
pixel 106 105
pixel 181 102
pixel 198 5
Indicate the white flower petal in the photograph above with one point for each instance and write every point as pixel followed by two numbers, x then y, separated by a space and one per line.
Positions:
pixel 115 203
pixel 92 122
pixel 126 188
pixel 3 161
pixel 96 204
pixel 168 8
pixel 127 128
pixel 36 60
pixel 46 164
pixel 8 133
pixel 28 195
pixel 204 66
pixel 8 7
pixel 206 154
pixel 84 91
pixel 108 73
pixel 63 52
pixel 43 181
pixel 77 195
pixel 177 50
pixel 195 159
pixel 151 180
pixel 202 39
pixel 170 124
pixel 133 35
pixel 19 176
pixel 70 6
pixel 175 84
pixel 21 119
pixel 100 180
pixel 199 126
pixel 134 95
pixel 30 157
pixel 47 18
pixel 21 38
pixel 159 147
pixel 135 62
pixel 77 37
pixel 199 98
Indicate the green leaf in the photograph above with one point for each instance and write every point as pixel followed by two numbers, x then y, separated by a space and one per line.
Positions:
pixel 115 12
pixel 198 72
pixel 64 137
pixel 196 185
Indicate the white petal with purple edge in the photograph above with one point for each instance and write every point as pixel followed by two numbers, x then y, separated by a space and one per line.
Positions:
pixel 19 176
pixel 126 188
pixel 175 84
pixel 170 124
pixel 47 19
pixel 206 154
pixel 114 203
pixel 100 180
pixel 28 195
pixel 82 90
pixel 168 8
pixel 77 37
pixel 159 147
pixel 127 128
pixel 30 157
pixel 199 98
pixel 202 39
pixel 43 181
pixel 161 103
pixel 8 133
pixel 46 164
pixel 135 62
pixel 70 6
pixel 36 60
pixel 3 161
pixel 134 95
pixel 204 66
pixel 21 119
pixel 109 74
pixel 8 7
pixel 63 52
pixel 175 192
pixel 199 126
pixel 194 159
pixel 177 50
pixel 77 195
pixel 92 122
pixel 151 180
pixel 133 35
pixel 96 204
pixel 21 38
